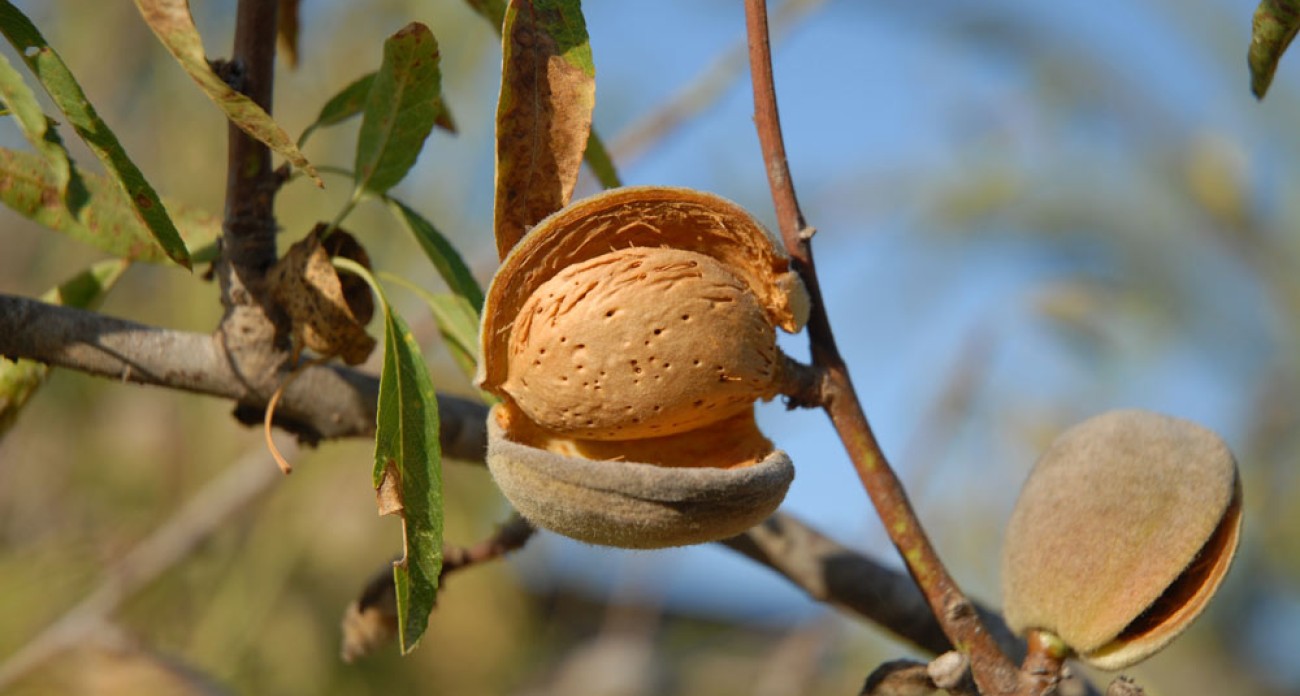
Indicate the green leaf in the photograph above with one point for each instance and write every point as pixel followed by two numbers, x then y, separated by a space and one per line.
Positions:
pixel 494 11
pixel 548 90
pixel 36 126
pixel 20 380
pixel 347 103
pixel 106 220
pixel 400 109
pixel 58 81
pixel 444 256
pixel 458 323
pixel 1274 26
pixel 171 22
pixel 408 467
pixel 602 166
pixel 352 100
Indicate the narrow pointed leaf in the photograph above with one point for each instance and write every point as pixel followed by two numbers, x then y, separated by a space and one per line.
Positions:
pixel 407 435
pixel 401 108
pixel 62 87
pixel 596 156
pixel 408 467
pixel 342 106
pixel 458 323
pixel 20 380
pixel 107 220
pixel 351 100
pixel 444 256
pixel 601 164
pixel 548 90
pixel 171 22
pixel 1274 26
pixel 494 11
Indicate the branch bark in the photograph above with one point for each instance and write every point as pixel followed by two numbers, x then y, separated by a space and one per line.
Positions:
pixel 833 573
pixel 994 673
pixel 253 332
pixel 323 402
pixel 247 357
pixel 328 402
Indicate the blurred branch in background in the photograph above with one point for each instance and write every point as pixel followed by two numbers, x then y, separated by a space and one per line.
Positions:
pixel 832 573
pixel 237 488
pixel 704 90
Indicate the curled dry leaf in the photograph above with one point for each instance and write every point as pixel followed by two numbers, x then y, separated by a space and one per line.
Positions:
pixel 329 311
pixel 370 622
pixel 628 336
pixel 548 90
pixel 1122 534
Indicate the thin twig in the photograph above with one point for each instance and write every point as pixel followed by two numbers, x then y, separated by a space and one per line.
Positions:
pixel 993 672
pixel 835 574
pixel 703 91
pixel 370 622
pixel 171 542
pixel 510 536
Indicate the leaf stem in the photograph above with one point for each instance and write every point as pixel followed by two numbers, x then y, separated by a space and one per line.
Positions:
pixel 993 671
pixel 346 211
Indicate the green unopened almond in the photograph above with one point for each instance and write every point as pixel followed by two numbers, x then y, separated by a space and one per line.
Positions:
pixel 1122 534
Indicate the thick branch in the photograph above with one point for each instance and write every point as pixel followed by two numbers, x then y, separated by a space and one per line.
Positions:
pixel 336 402
pixel 323 402
pixel 248 237
pixel 253 332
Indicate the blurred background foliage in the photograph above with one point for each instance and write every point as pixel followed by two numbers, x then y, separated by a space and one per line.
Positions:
pixel 1028 213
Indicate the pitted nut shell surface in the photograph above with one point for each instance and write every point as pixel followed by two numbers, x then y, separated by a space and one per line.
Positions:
pixel 1121 535
pixel 640 343
pixel 629 504
pixel 650 217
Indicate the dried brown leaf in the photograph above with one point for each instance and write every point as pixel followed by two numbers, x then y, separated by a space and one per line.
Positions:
pixel 329 311
pixel 288 31
pixel 370 622
pixel 548 91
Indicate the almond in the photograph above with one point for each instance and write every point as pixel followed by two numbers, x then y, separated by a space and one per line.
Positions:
pixel 1122 534
pixel 628 336
pixel 640 343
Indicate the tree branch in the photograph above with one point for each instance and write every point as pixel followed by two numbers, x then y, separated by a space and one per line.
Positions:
pixel 370 622
pixel 993 672
pixel 832 573
pixel 323 402
pixel 328 402
pixel 234 490
pixel 253 333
